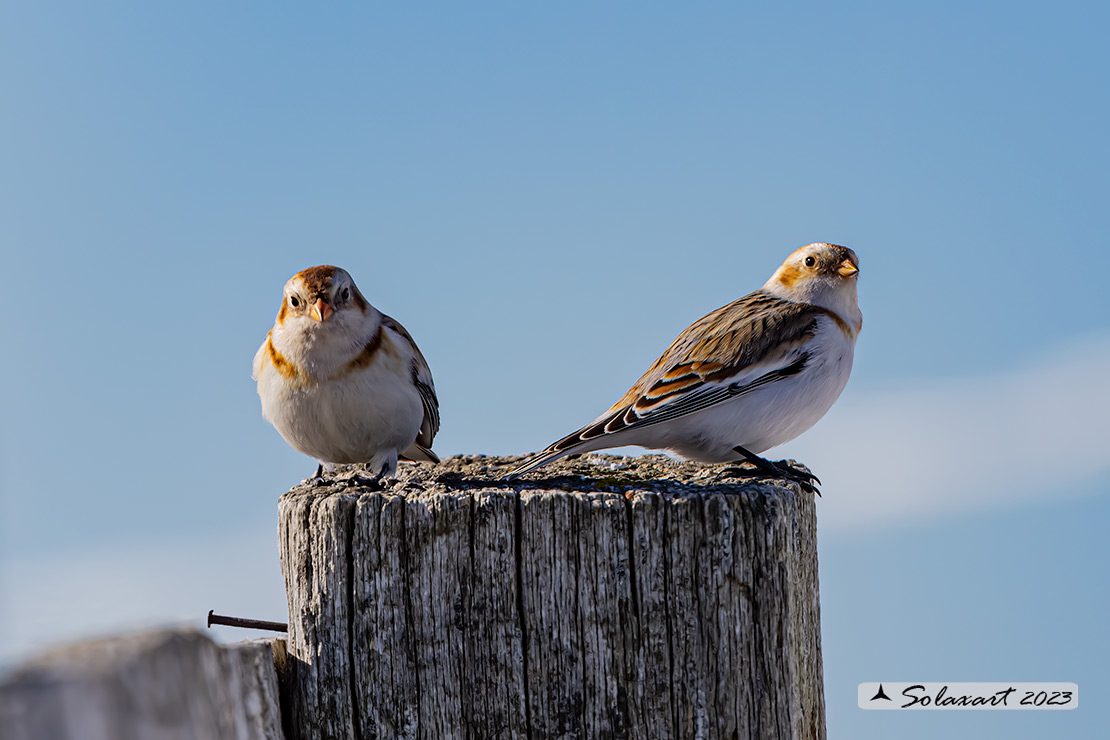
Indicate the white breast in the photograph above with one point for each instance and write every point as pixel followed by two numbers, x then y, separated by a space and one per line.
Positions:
pixel 366 416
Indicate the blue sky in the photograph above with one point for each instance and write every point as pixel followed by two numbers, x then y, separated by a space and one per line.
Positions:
pixel 545 196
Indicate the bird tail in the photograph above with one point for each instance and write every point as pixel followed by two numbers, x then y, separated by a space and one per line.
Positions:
pixel 536 461
pixel 586 439
pixel 418 453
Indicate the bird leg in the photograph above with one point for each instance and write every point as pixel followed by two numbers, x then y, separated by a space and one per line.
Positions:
pixel 317 478
pixel 781 469
pixel 374 482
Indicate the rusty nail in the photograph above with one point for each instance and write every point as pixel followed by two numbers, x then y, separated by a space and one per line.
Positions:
pixel 254 624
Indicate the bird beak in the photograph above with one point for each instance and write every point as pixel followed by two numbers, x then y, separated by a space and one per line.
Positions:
pixel 321 311
pixel 847 268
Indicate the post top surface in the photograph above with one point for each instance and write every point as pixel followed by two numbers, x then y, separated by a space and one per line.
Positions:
pixel 590 473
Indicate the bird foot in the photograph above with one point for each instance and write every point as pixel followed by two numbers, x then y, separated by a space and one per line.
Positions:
pixel 781 469
pixel 317 478
pixel 735 471
pixel 375 482
pixel 363 481
pixel 803 478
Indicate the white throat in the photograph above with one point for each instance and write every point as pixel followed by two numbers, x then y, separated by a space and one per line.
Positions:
pixel 840 296
pixel 322 348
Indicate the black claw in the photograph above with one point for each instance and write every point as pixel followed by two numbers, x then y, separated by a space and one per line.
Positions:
pixel 796 473
pixel 803 478
pixel 317 478
pixel 782 469
pixel 738 472
pixel 364 481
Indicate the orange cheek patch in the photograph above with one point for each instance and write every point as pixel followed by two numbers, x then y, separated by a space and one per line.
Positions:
pixel 365 357
pixel 282 365
pixel 847 330
pixel 789 275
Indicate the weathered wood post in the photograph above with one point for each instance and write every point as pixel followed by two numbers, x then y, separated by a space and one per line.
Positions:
pixel 163 685
pixel 609 598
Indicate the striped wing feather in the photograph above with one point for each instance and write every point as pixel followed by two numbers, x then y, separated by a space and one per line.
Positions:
pixel 422 379
pixel 711 361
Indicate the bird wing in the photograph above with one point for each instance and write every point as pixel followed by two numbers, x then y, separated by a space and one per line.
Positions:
pixel 750 343
pixel 417 453
pixel 422 379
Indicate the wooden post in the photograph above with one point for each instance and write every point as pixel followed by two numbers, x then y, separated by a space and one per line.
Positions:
pixel 609 598
pixel 165 685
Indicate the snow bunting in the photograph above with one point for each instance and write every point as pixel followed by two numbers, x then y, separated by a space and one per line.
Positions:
pixel 341 381
pixel 745 378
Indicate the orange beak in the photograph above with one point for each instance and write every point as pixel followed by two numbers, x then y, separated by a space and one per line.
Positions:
pixel 321 311
pixel 847 268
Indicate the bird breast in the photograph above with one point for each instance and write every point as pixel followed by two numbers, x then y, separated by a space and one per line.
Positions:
pixel 350 416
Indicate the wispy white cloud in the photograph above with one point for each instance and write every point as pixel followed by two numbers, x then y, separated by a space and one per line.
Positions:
pixel 139 585
pixel 934 448
pixel 924 451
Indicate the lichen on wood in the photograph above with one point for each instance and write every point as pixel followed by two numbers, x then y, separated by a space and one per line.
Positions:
pixel 600 597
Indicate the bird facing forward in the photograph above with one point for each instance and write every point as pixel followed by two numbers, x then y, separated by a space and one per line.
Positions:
pixel 341 381
pixel 745 378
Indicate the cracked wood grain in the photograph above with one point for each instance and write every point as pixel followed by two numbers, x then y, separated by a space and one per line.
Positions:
pixel 601 597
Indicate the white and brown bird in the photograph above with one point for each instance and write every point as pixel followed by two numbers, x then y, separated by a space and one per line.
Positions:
pixel 745 378
pixel 341 381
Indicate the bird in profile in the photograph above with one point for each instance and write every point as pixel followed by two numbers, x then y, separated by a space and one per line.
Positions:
pixel 342 382
pixel 746 377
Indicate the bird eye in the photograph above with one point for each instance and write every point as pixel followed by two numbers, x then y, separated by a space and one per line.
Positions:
pixel 293 301
pixel 345 294
pixel 810 262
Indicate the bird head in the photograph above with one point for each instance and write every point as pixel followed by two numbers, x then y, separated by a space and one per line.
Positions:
pixel 822 274
pixel 319 296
